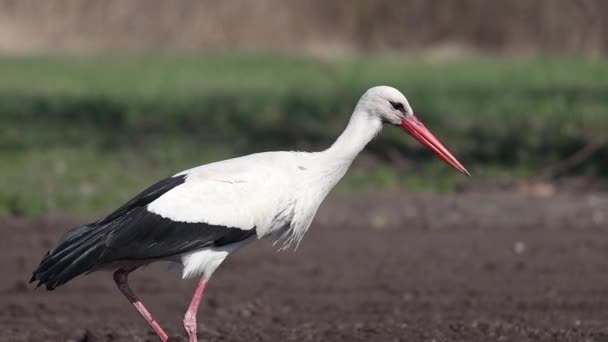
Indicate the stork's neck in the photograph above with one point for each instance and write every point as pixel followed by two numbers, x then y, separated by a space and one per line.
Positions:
pixel 361 129
pixel 329 167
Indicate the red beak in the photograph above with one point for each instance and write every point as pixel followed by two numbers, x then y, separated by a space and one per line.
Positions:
pixel 416 128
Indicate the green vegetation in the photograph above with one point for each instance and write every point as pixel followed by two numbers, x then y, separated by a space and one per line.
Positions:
pixel 82 134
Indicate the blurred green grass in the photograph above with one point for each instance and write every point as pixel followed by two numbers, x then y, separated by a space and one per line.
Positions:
pixel 81 134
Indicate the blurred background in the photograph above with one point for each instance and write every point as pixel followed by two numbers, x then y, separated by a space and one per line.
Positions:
pixel 98 99
pixel 106 96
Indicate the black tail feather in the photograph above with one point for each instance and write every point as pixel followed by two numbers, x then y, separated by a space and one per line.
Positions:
pixel 76 253
pixel 87 248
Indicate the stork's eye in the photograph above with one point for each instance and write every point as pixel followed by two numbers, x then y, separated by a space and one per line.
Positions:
pixel 397 106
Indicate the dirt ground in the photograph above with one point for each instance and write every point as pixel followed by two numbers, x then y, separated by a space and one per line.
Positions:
pixel 498 266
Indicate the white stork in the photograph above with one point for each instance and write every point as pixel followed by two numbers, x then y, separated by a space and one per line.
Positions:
pixel 198 217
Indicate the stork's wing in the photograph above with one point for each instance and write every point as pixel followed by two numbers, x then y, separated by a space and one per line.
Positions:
pixel 212 205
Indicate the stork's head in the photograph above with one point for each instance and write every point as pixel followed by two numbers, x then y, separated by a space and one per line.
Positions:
pixel 391 107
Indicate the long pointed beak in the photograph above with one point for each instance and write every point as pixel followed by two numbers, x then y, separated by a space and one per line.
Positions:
pixel 416 129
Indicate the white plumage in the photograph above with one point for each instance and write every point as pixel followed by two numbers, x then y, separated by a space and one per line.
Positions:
pixel 277 193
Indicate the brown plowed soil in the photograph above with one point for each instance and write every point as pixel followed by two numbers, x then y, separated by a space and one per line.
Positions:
pixel 375 267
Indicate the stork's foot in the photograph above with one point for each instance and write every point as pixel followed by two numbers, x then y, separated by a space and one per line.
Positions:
pixel 191 328
pixel 190 316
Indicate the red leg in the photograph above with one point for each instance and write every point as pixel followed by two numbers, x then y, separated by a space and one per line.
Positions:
pixel 190 316
pixel 121 279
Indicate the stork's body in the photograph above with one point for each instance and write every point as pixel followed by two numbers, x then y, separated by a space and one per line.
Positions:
pixel 198 217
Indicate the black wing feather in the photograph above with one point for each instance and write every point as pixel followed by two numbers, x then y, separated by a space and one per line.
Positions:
pixel 130 233
pixel 143 235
